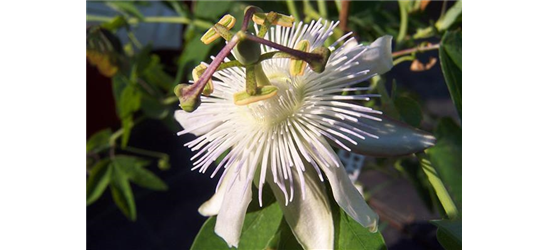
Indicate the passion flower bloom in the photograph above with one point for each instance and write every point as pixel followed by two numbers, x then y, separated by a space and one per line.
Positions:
pixel 285 141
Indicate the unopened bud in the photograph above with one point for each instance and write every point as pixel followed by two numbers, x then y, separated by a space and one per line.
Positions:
pixel 188 100
pixel 197 73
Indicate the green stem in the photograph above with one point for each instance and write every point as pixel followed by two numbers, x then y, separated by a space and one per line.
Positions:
pixel 416 49
pixel 403 20
pixel 154 19
pixel 146 152
pixel 322 8
pixel 403 59
pixel 292 9
pixel 442 194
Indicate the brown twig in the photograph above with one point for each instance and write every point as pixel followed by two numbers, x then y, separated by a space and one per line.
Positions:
pixel 344 14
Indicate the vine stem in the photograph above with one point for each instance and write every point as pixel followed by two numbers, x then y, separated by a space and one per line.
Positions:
pixel 416 49
pixel 154 19
pixel 344 14
pixel 403 20
pixel 293 10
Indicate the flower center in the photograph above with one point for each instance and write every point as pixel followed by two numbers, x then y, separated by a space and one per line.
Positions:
pixel 278 109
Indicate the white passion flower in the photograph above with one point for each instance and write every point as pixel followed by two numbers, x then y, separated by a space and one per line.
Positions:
pixel 284 141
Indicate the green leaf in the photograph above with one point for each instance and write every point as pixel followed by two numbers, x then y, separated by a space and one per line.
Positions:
pixel 449 233
pixel 351 235
pixel 412 171
pixel 122 192
pixel 180 8
pixel 153 108
pixel 446 157
pixel 115 24
pixel 127 8
pixel 450 62
pixel 98 181
pixel 260 226
pixel 286 238
pixel 213 10
pixel 409 110
pixel 127 125
pixel 133 169
pixel 98 141
pixel 130 101
pixel 453 14
pixel 194 52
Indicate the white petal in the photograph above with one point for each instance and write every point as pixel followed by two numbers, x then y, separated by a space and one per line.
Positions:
pixel 310 219
pixel 212 206
pixel 378 58
pixel 347 196
pixel 194 121
pixel 395 138
pixel 235 203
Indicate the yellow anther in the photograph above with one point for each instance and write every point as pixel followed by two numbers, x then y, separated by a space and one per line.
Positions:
pixel 263 93
pixel 211 35
pixel 197 73
pixel 297 67
pixel 281 20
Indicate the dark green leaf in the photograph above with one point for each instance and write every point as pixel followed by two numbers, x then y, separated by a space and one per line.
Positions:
pixel 351 235
pixel 287 239
pixel 449 233
pixel 125 7
pixel 260 226
pixel 133 169
pixel 122 192
pixel 450 62
pixel 194 52
pixel 99 141
pixel 409 110
pixel 179 7
pixel 212 10
pixel 98 181
pixel 413 172
pixel 153 108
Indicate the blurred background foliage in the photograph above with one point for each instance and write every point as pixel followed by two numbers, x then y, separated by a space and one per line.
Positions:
pixel 138 51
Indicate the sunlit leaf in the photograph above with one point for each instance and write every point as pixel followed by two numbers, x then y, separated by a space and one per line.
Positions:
pixel 440 189
pixel 351 235
pixel 98 181
pixel 453 14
